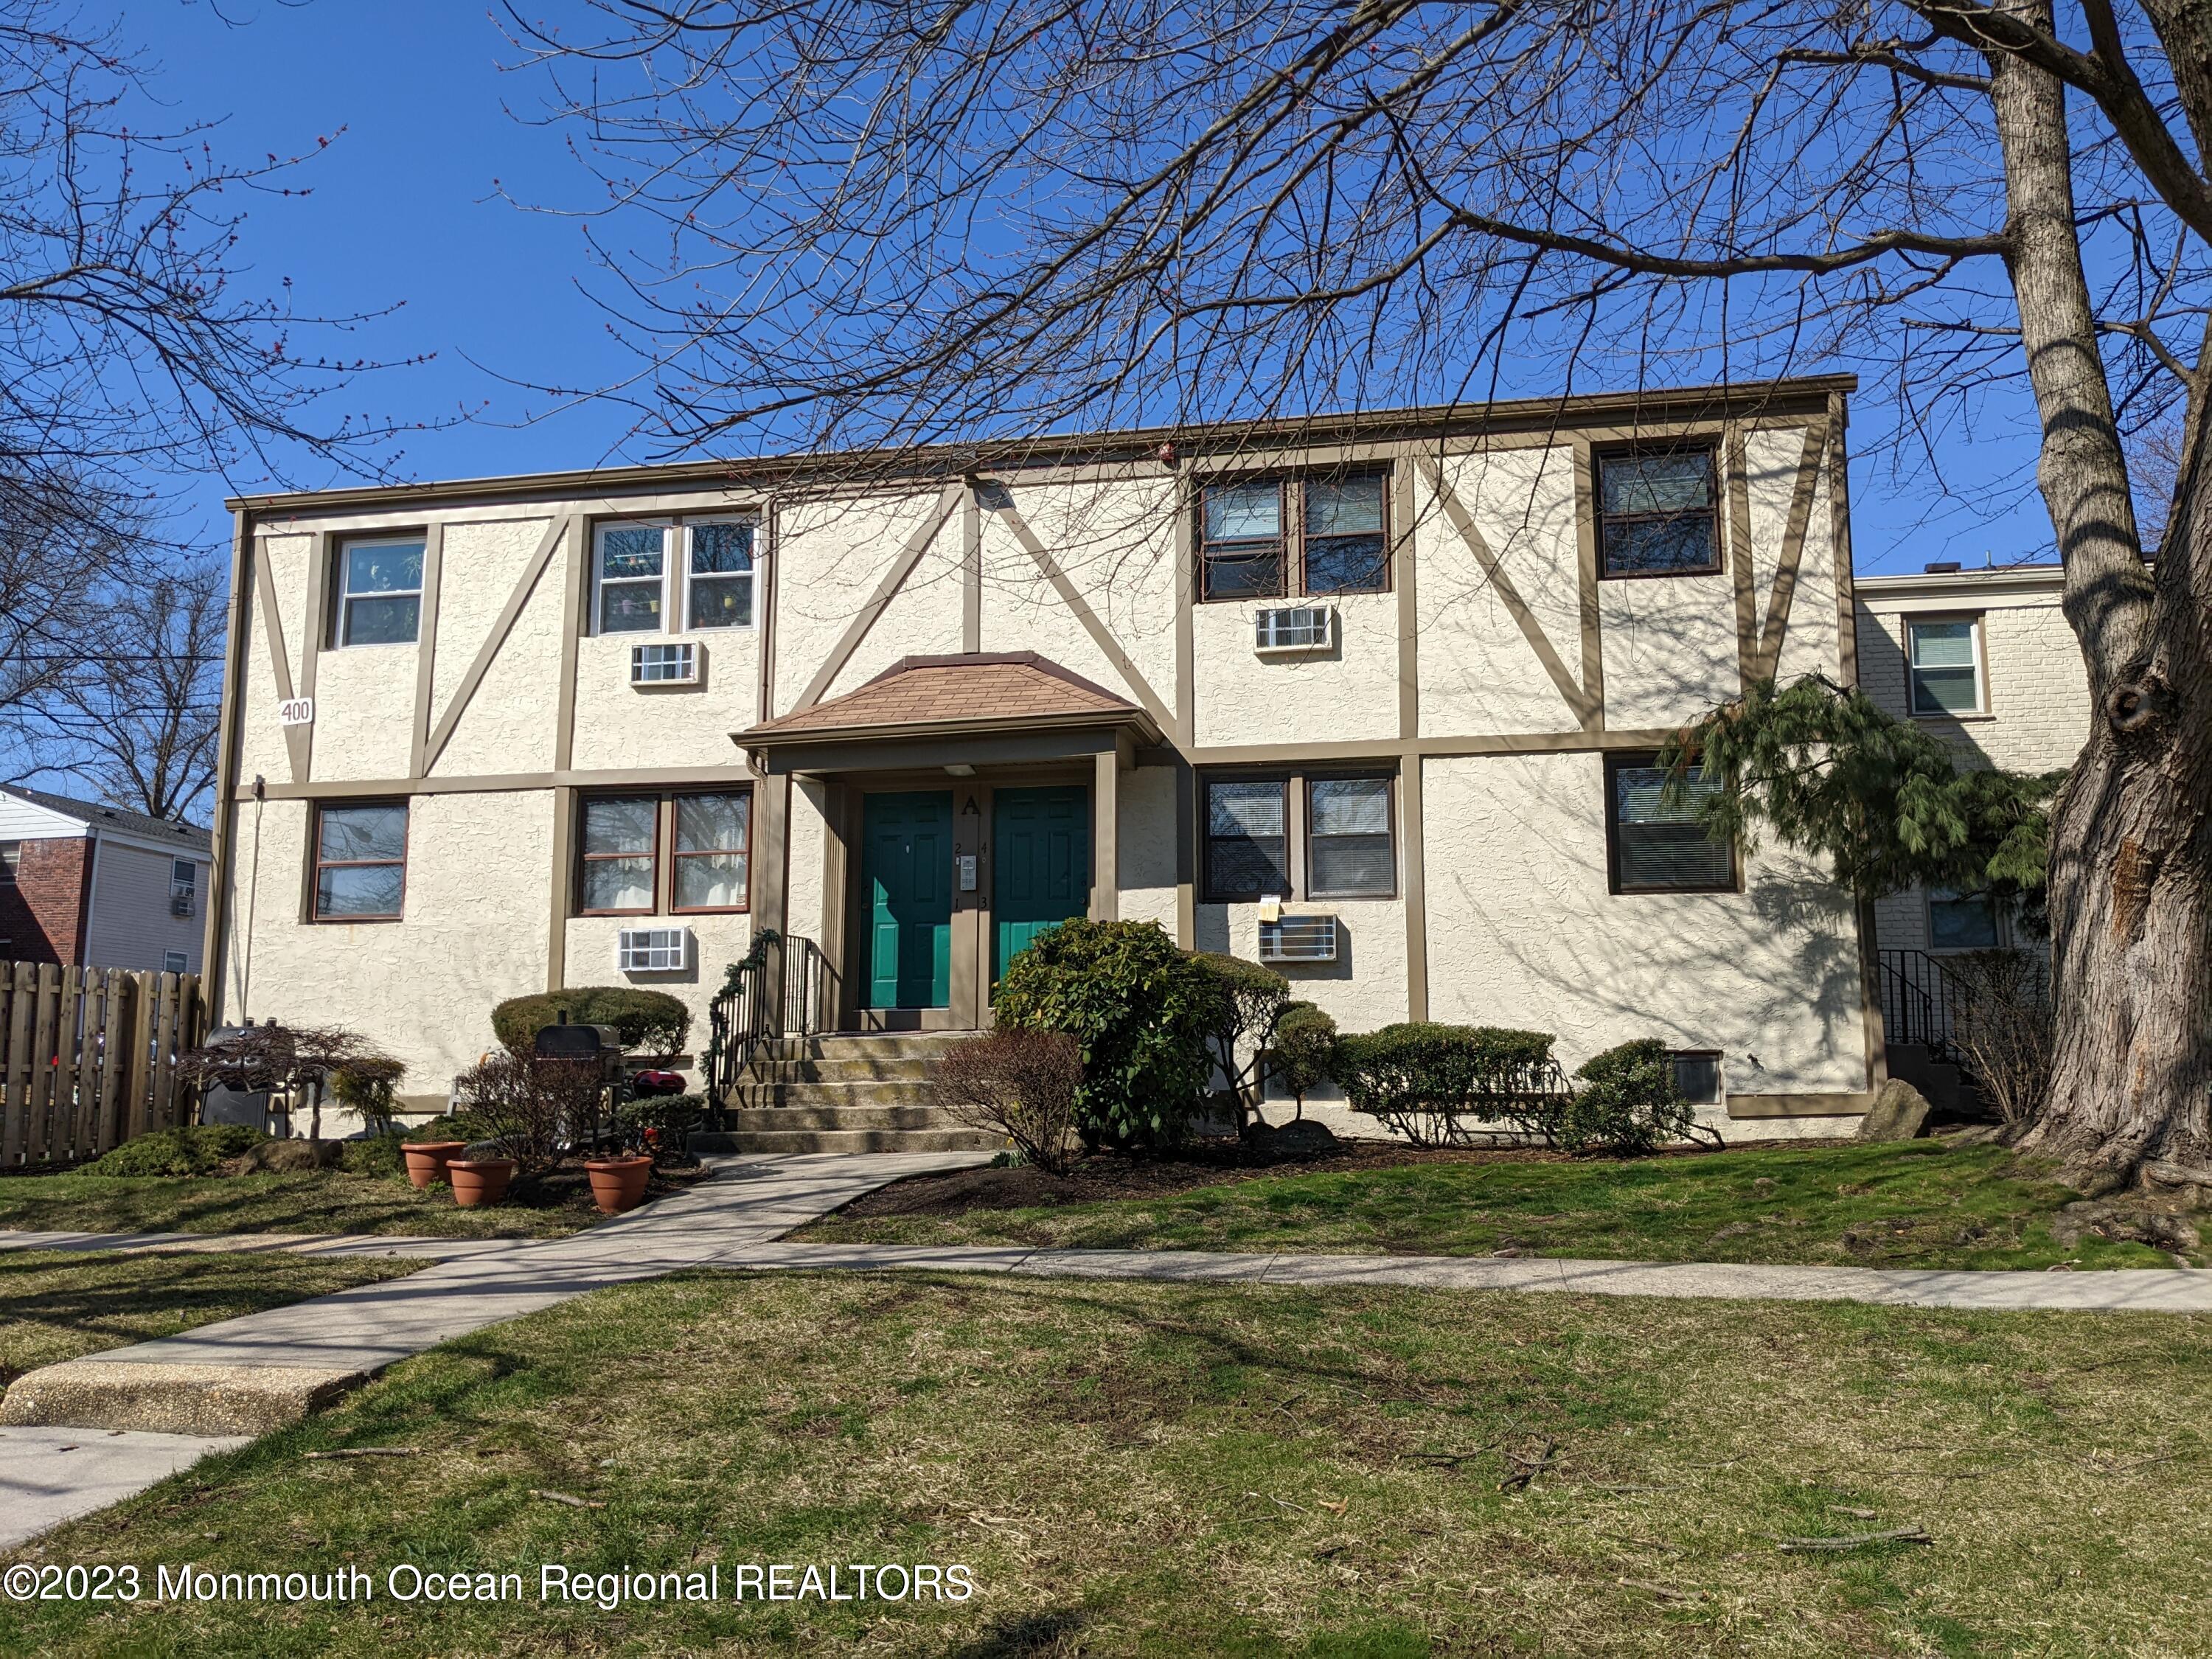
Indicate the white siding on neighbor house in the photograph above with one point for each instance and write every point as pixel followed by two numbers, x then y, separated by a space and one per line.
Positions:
pixel 23 820
pixel 132 926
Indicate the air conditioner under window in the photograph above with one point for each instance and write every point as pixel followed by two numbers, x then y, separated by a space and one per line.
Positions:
pixel 180 904
pixel 653 950
pixel 1294 628
pixel 1298 938
pixel 672 663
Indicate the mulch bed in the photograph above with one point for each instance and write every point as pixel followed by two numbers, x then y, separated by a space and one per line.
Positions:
pixel 1210 1163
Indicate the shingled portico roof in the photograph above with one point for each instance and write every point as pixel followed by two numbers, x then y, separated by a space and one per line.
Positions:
pixel 978 692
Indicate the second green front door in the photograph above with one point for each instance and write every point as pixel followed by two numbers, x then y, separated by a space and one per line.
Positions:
pixel 1041 865
pixel 906 863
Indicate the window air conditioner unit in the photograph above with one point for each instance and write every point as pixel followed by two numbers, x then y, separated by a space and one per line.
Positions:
pixel 1298 938
pixel 677 663
pixel 653 950
pixel 1294 628
pixel 180 904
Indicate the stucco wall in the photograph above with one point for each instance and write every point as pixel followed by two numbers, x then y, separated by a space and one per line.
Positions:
pixel 1147 838
pixel 505 727
pixel 261 740
pixel 1522 932
pixel 716 942
pixel 473 934
pixel 832 555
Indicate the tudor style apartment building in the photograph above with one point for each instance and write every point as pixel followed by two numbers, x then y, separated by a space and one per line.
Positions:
pixel 1374 698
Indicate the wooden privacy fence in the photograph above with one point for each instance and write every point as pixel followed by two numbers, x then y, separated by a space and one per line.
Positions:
pixel 89 1057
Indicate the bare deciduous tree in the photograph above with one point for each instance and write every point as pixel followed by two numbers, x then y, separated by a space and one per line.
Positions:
pixel 889 222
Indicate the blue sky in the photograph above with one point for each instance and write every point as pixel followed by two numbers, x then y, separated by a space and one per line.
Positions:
pixel 404 208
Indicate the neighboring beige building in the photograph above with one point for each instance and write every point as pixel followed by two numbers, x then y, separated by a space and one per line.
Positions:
pixel 1393 679
pixel 1986 659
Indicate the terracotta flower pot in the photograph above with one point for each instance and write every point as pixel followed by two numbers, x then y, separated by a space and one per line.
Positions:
pixel 479 1180
pixel 618 1183
pixel 426 1159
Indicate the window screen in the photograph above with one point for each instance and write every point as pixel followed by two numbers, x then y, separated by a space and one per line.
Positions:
pixel 1656 512
pixel 713 834
pixel 631 570
pixel 620 834
pixel 361 861
pixel 1658 844
pixel 1946 667
pixel 1247 839
pixel 1345 549
pixel 1241 555
pixel 380 592
pixel 721 576
pixel 1348 851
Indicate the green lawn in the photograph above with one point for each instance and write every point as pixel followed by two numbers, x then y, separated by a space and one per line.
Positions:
pixel 309 1202
pixel 1911 1204
pixel 57 1304
pixel 1203 1469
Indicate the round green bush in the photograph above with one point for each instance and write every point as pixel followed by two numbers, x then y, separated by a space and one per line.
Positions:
pixel 1143 1012
pixel 644 1021
pixel 194 1149
pixel 1629 1104
pixel 374 1155
pixel 1302 1056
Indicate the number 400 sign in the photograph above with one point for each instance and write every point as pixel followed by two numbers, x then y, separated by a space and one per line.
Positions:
pixel 296 711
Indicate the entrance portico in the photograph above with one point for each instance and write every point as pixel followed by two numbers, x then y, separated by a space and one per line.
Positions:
pixel 970 801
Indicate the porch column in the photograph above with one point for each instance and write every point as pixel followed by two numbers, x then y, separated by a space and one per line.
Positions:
pixel 1105 829
pixel 771 871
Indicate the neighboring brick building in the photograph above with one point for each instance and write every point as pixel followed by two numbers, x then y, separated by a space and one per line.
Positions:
pixel 1986 659
pixel 101 886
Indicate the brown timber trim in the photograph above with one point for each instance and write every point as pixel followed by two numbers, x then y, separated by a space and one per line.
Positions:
pixel 1186 599
pixel 324 556
pixel 223 847
pixel 1741 574
pixel 1876 1032
pixel 909 555
pixel 1839 542
pixel 1100 636
pixel 1806 1105
pixel 971 571
pixel 524 585
pixel 1405 579
pixel 1650 412
pixel 771 528
pixel 1186 853
pixel 576 531
pixel 641 778
pixel 272 628
pixel 1105 836
pixel 425 648
pixel 838 831
pixel 1385 750
pixel 1569 687
pixel 1792 555
pixel 1415 856
pixel 1586 587
pixel 562 897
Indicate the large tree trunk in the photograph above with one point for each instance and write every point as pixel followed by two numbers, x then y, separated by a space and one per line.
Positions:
pixel 2131 836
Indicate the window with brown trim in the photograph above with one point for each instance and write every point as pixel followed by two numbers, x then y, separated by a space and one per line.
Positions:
pixel 361 861
pixel 1268 539
pixel 1657 512
pixel 620 867
pixel 1349 837
pixel 1697 1075
pixel 1655 842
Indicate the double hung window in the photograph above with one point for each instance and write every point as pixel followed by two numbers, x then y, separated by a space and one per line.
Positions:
pixel 1945 658
pixel 1659 844
pixel 361 861
pixel 622 869
pixel 675 578
pixel 1656 512
pixel 380 591
pixel 1263 538
pixel 1345 846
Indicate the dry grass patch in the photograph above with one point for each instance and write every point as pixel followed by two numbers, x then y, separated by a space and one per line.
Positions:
pixel 1171 1469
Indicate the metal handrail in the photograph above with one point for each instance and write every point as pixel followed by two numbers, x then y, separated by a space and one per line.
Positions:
pixel 780 988
pixel 1918 1002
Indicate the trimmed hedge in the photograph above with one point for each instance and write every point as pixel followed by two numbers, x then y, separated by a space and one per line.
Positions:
pixel 1303 1055
pixel 1422 1079
pixel 1631 1106
pixel 1142 1010
pixel 651 1022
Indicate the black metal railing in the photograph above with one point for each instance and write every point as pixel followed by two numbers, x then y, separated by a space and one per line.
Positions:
pixel 781 987
pixel 1920 1003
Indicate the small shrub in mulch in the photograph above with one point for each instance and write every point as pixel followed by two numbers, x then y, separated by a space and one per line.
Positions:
pixel 197 1149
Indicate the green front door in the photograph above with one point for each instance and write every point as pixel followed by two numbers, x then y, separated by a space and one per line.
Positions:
pixel 906 863
pixel 1040 866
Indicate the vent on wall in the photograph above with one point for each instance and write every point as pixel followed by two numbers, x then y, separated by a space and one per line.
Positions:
pixel 653 950
pixel 676 663
pixel 1294 628
pixel 1298 938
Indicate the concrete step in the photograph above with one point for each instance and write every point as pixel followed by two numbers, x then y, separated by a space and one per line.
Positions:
pixel 874 1091
pixel 831 1116
pixel 764 1141
pixel 855 1068
pixel 868 1045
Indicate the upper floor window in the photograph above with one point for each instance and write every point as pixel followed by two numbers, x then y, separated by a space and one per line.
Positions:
pixel 184 885
pixel 1945 654
pixel 1658 845
pixel 1269 538
pixel 1348 848
pixel 1656 512
pixel 708 836
pixel 11 856
pixel 380 591
pixel 655 578
pixel 361 861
